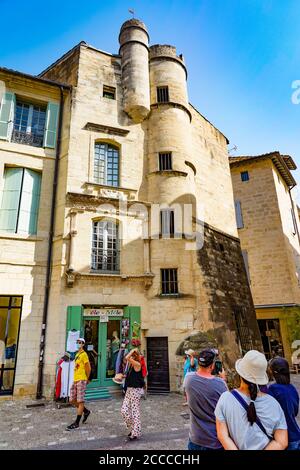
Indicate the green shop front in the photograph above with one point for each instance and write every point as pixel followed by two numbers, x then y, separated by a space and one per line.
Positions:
pixel 105 329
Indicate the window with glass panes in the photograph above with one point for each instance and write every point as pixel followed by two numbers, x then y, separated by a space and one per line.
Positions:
pixel 244 176
pixel 105 248
pixel 165 161
pixel 29 123
pixel 106 164
pixel 20 201
pixel 169 281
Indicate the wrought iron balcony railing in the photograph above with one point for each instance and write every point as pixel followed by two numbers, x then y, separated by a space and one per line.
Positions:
pixel 21 137
pixel 106 261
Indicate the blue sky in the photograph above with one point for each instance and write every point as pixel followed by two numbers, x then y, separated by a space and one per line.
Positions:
pixel 242 55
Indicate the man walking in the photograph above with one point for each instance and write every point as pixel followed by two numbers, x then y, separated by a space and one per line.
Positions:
pixel 203 392
pixel 82 372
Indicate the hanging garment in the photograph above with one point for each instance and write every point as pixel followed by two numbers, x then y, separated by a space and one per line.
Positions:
pixel 73 336
pixel 119 361
pixel 58 379
pixel 67 378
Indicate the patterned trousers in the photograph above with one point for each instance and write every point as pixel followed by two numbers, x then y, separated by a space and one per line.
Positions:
pixel 131 410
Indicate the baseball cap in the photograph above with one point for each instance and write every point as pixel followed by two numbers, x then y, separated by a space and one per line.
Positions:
pixel 206 357
pixel 81 339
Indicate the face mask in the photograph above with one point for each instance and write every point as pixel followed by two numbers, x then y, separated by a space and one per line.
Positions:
pixel 78 346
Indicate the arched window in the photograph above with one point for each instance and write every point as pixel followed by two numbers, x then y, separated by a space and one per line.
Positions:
pixel 105 249
pixel 106 164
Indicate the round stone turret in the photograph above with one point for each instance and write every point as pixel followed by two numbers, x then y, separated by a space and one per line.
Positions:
pixel 134 51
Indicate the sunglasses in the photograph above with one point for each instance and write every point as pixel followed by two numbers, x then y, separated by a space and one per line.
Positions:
pixel 79 342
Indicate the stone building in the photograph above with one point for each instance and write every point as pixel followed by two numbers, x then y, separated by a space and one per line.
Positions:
pixel 29 114
pixel 136 161
pixel 268 226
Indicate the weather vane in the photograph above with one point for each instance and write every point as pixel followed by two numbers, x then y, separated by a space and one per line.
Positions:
pixel 131 11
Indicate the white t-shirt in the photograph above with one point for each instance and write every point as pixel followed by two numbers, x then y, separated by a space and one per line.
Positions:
pixel 67 377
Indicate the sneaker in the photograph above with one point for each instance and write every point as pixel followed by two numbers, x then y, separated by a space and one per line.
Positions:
pixel 85 416
pixel 72 426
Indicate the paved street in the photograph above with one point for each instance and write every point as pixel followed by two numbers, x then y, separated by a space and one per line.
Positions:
pixel 164 420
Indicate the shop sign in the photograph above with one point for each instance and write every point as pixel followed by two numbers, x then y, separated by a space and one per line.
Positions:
pixel 103 312
pixel 103 318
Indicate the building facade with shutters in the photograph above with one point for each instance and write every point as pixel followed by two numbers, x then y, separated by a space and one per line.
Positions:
pixel 137 179
pixel 29 109
pixel 268 226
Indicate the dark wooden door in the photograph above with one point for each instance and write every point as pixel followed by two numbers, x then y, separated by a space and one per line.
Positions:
pixel 158 365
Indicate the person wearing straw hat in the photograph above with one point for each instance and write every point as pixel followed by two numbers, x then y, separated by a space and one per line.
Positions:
pixel 246 418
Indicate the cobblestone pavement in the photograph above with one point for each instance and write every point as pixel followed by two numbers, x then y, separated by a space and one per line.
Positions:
pixel 165 424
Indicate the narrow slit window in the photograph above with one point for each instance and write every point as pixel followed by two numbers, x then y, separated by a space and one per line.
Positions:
pixel 167 223
pixel 162 94
pixel 109 92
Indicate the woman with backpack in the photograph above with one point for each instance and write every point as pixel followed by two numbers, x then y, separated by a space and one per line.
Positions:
pixel 288 398
pixel 246 418
pixel 134 383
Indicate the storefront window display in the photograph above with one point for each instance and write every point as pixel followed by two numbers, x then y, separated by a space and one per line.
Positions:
pixel 10 315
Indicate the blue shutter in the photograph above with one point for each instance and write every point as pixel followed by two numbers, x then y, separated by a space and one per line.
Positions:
pixel 7 110
pixel 30 199
pixel 10 199
pixel 238 214
pixel 51 125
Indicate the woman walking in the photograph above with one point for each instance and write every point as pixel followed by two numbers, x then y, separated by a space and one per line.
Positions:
pixel 246 418
pixel 288 398
pixel 134 384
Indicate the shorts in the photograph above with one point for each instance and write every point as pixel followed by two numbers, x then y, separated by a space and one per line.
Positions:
pixel 77 391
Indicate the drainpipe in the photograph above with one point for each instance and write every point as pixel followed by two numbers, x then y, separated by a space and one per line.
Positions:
pixel 50 250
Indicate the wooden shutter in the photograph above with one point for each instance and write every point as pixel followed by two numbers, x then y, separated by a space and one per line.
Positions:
pixel 51 125
pixel 245 257
pixel 74 320
pixel 238 214
pixel 30 199
pixel 11 199
pixel 7 110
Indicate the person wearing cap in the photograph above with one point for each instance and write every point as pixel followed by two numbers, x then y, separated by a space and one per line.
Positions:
pixel 203 392
pixel 288 398
pixel 190 365
pixel 82 372
pixel 248 419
